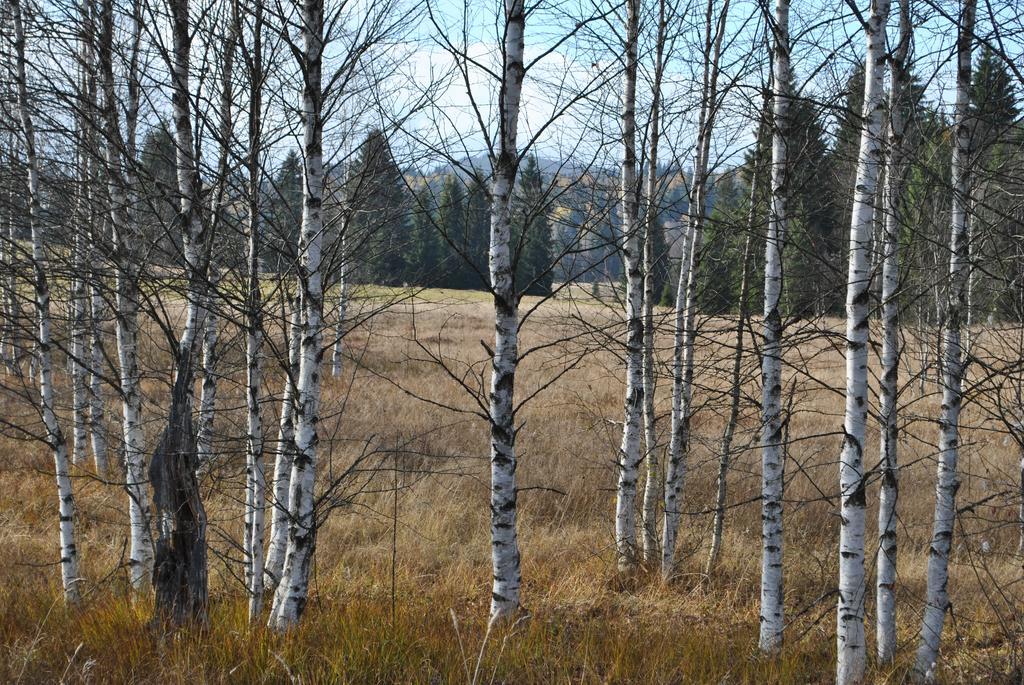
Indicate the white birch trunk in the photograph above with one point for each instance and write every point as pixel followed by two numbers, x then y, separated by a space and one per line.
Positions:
pixel 686 294
pixel 95 223
pixel 83 201
pixel 652 485
pixel 211 321
pixel 70 577
pixel 9 345
pixel 180 576
pixel 208 390
pixel 119 180
pixel 285 453
pixel 189 190
pixel 937 597
pixel 885 595
pixel 850 643
pixel 1020 512
pixel 97 413
pixel 674 466
pixel 772 452
pixel 504 541
pixel 337 357
pixel 80 401
pixel 255 476
pixel 629 451
pixel 652 490
pixel 682 389
pixel 292 591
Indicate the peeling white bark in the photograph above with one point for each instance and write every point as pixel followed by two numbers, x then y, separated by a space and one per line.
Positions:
pixel 629 451
pixel 772 452
pixel 686 293
pixel 208 390
pixel 885 595
pixel 119 181
pixel 256 482
pixel 504 541
pixel 285 453
pixel 850 643
pixel 70 575
pixel 937 597
pixel 292 591
pixel 652 488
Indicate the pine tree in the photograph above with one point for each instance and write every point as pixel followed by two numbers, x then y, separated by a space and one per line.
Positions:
pixel 815 236
pixel 994 231
pixel 426 253
pixel 532 233
pixel 157 188
pixel 721 272
pixel 993 101
pixel 377 195
pixel 451 223
pixel 662 268
pixel 476 240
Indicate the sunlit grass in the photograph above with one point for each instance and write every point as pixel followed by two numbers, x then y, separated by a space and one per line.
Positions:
pixel 584 622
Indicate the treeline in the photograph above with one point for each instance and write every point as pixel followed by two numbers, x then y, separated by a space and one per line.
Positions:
pixel 823 156
pixel 400 228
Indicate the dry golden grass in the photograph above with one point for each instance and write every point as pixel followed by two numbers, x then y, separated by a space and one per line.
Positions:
pixel 585 623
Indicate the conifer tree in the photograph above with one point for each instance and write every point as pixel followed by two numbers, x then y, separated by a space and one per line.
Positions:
pixel 532 233
pixel 451 223
pixel 426 253
pixel 377 195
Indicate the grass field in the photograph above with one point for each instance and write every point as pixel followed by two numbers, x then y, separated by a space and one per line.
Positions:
pixel 404 599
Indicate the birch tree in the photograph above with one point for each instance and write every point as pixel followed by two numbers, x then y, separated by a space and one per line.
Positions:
pixel 208 387
pixel 69 566
pixel 211 319
pixel 119 158
pixel 652 484
pixel 93 226
pixel 686 292
pixel 772 454
pixel 505 160
pixel 255 491
pixel 12 344
pixel 180 574
pixel 888 387
pixel 337 355
pixel 80 401
pixel 98 312
pixel 293 588
pixel 285 454
pixel 83 202
pixel 629 452
pixel 850 643
pixel 947 482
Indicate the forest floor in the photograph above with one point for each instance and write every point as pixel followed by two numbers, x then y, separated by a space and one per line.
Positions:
pixel 402 573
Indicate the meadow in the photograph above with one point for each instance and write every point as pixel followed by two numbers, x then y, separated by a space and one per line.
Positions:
pixel 402 570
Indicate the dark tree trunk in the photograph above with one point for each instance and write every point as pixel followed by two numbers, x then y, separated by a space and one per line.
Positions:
pixel 179 573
